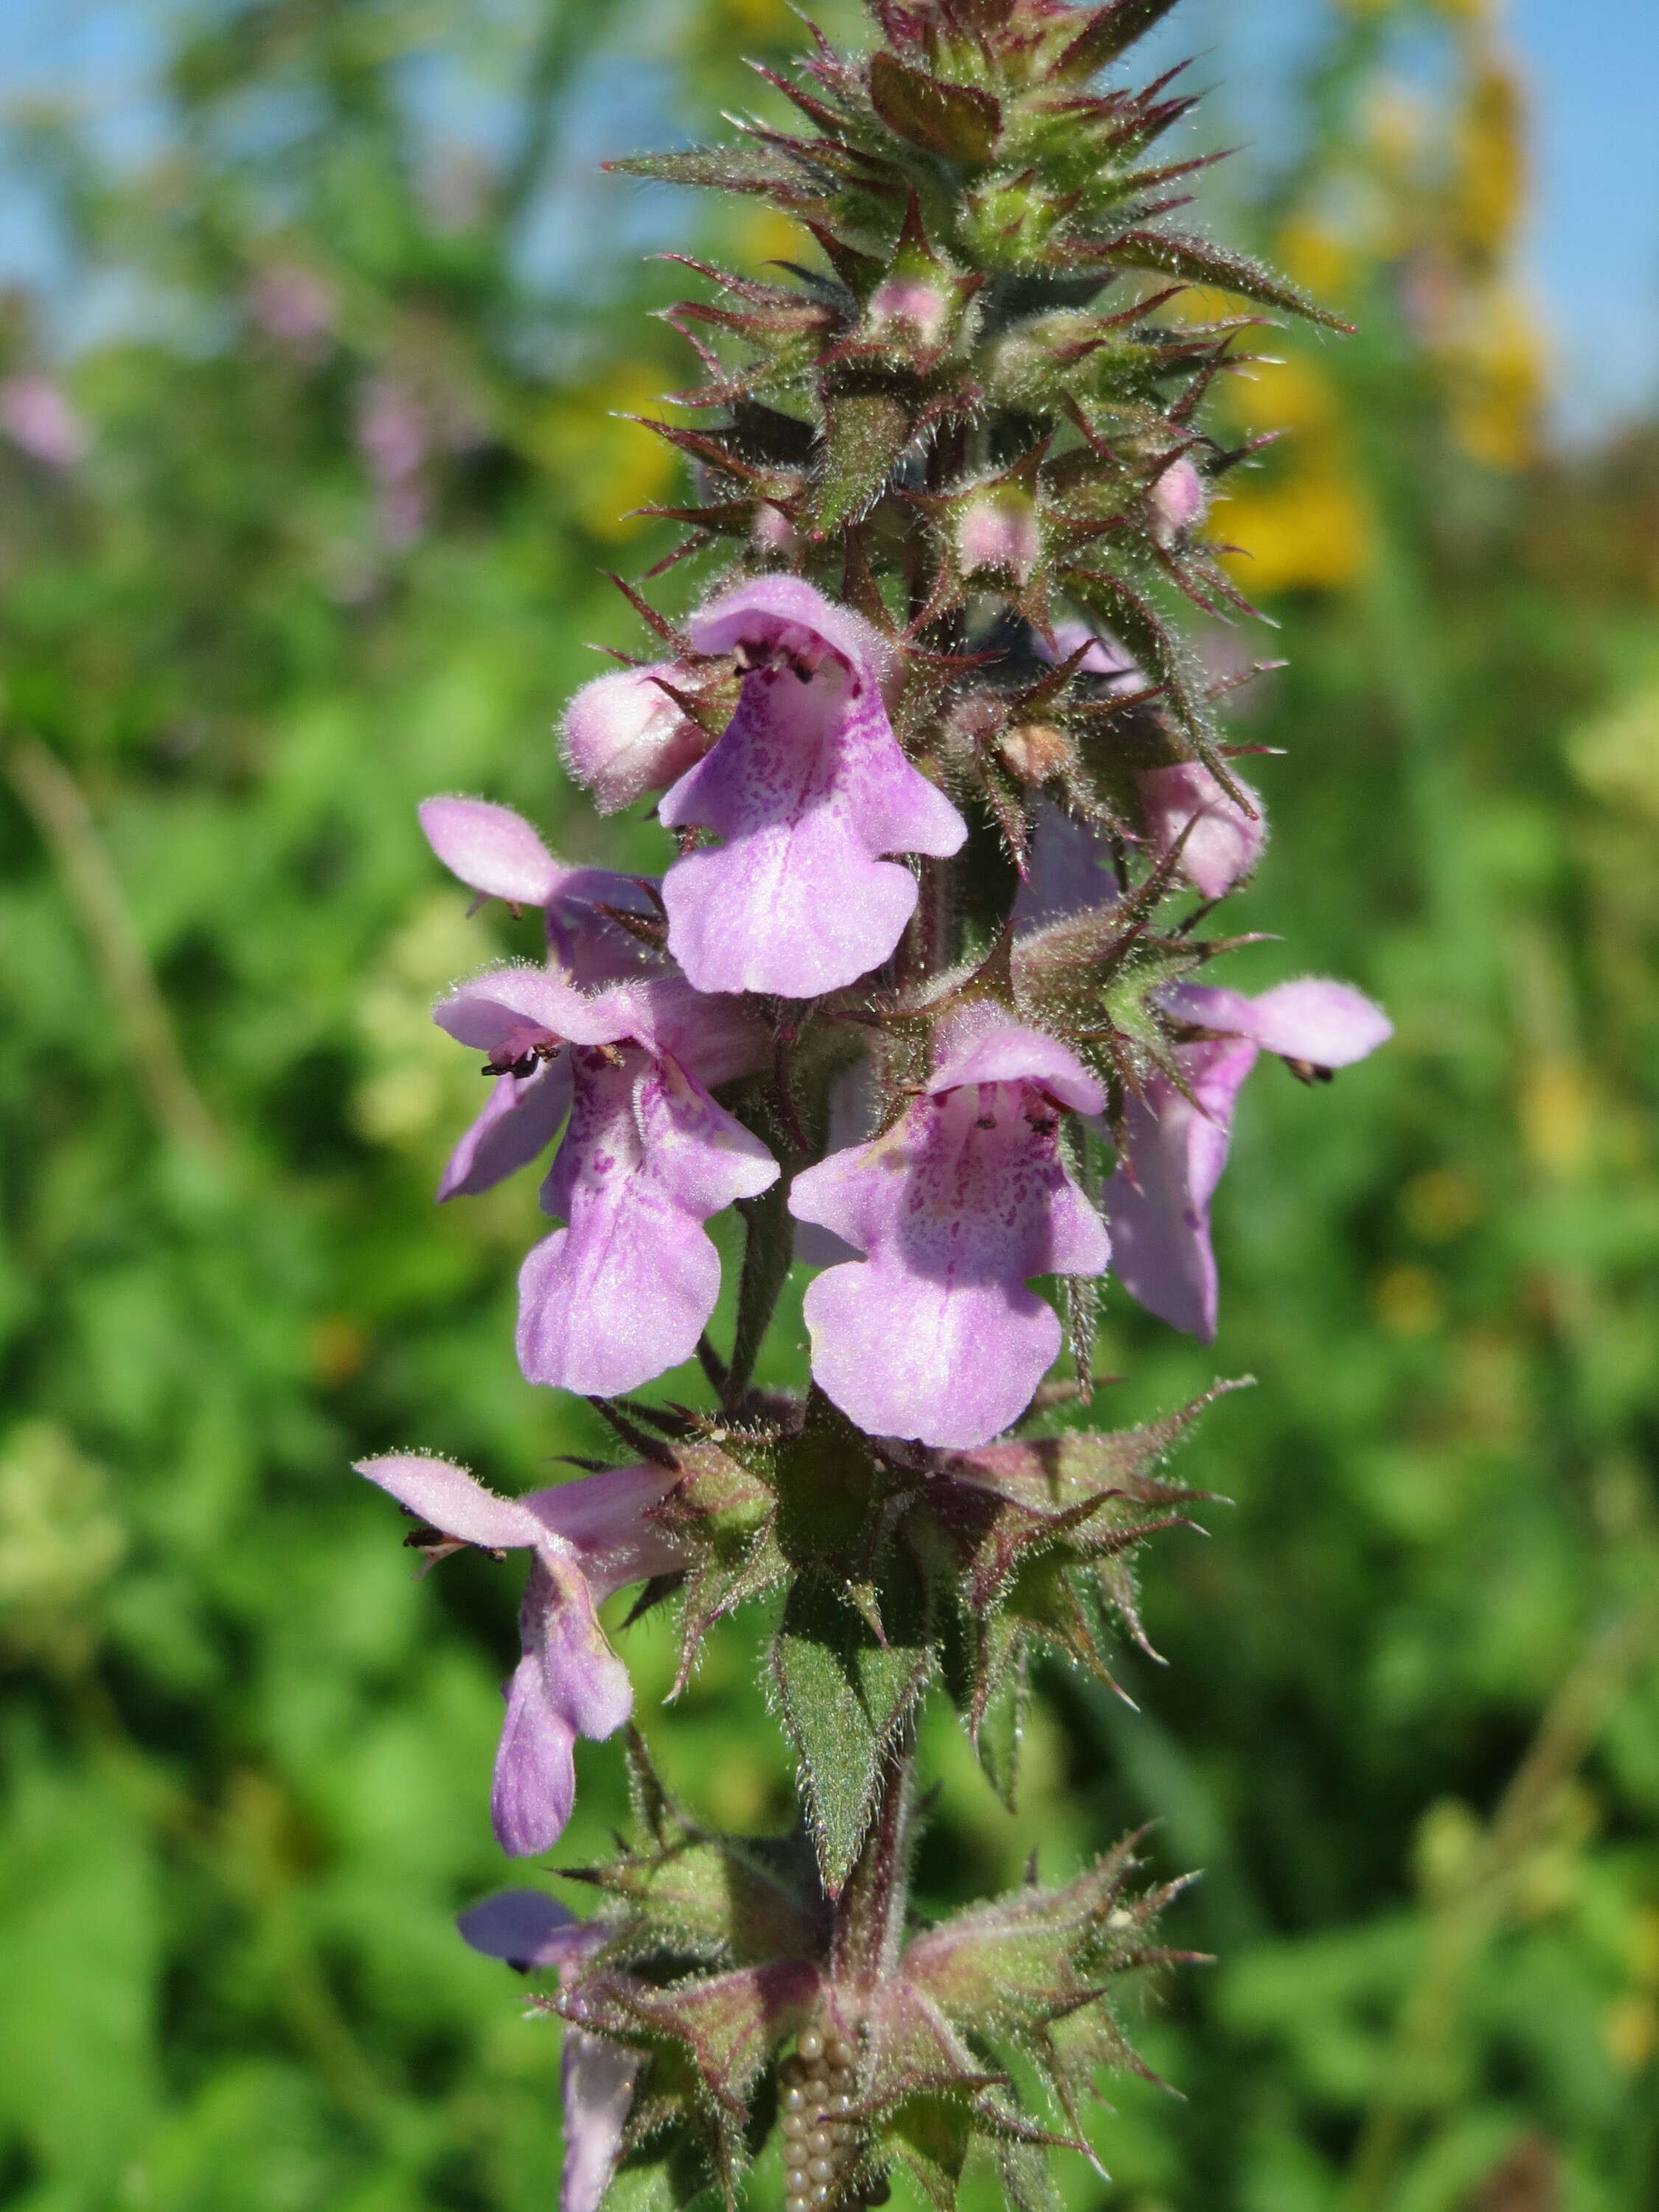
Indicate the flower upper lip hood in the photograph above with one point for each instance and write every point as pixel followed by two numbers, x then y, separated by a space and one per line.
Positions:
pixel 793 617
pixel 807 788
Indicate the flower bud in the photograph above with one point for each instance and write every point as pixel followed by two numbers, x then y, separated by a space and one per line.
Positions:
pixel 1034 751
pixel 998 530
pixel 1180 500
pixel 909 305
pixel 1224 842
pixel 623 736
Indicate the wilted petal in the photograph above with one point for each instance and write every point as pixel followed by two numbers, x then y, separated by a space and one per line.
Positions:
pixel 1327 1024
pixel 454 1501
pixel 934 1335
pixel 806 788
pixel 1160 1216
pixel 598 2081
pixel 623 736
pixel 1223 842
pixel 521 1118
pixel 625 1291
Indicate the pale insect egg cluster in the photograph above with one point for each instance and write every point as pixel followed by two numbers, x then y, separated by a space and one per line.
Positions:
pixel 815 2089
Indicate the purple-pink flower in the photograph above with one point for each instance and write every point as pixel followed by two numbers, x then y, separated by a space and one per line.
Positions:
pixel 585 1538
pixel 35 414
pixel 934 1334
pixel 1223 840
pixel 530 1930
pixel 623 736
pixel 806 788
pixel 626 1289
pixel 496 853
pixel 1158 1200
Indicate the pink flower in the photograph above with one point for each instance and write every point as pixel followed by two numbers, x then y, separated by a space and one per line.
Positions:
pixel 933 1335
pixel 1158 1200
pixel 296 307
pixel 529 1929
pixel 36 416
pixel 495 853
pixel 586 1540
pixel 807 788
pixel 624 1291
pixel 1226 841
pixel 623 736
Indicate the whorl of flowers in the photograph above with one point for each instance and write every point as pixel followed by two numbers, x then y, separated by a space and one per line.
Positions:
pixel 917 992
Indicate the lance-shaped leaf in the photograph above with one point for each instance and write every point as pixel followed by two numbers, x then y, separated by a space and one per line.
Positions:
pixel 955 120
pixel 865 431
pixel 1198 262
pixel 1109 30
pixel 727 169
pixel 844 1691
pixel 725 1510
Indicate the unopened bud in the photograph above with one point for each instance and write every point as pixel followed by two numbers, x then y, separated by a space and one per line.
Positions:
pixel 999 532
pixel 773 531
pixel 909 304
pixel 623 736
pixel 1180 500
pixel 1226 841
pixel 1034 751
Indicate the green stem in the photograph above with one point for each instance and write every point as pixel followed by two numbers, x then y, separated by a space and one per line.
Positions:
pixel 768 1248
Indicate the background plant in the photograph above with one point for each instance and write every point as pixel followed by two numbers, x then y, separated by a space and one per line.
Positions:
pixel 230 1865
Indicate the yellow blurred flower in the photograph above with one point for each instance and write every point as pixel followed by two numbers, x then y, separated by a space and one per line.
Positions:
pixel 1303 522
pixel 1557 1113
pixel 1408 1301
pixel 608 465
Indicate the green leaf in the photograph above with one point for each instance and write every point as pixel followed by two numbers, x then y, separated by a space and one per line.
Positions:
pixel 706 1897
pixel 998 1737
pixel 843 1695
pixel 931 2137
pixel 953 120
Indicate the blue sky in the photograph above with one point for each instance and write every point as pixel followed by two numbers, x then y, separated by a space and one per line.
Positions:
pixel 1592 67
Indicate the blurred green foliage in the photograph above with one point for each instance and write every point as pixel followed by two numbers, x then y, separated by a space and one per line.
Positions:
pixel 1412 1724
